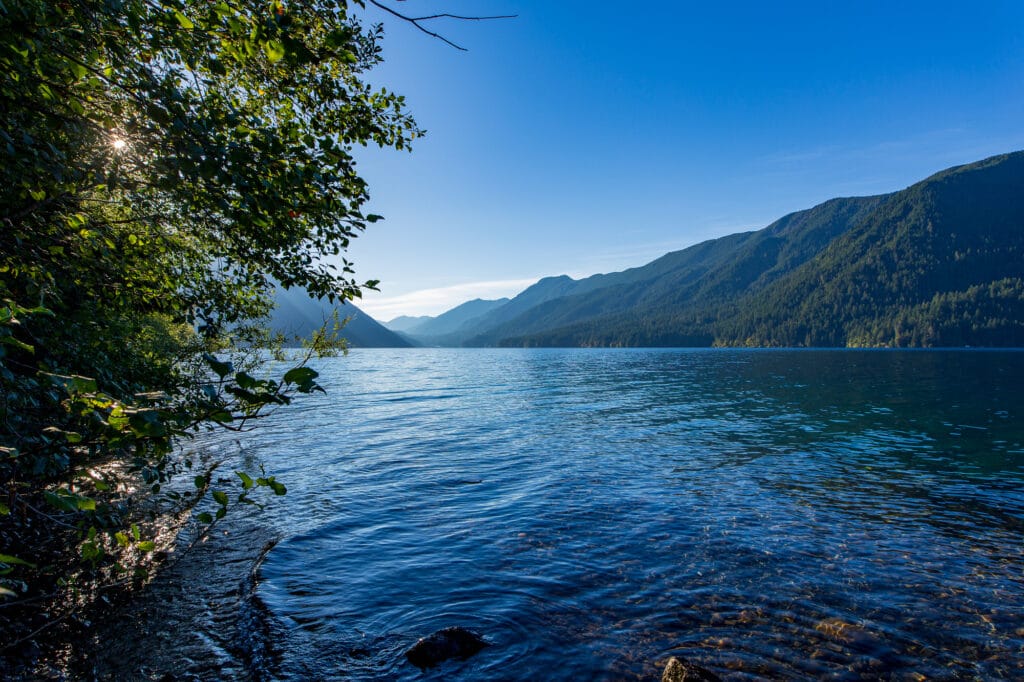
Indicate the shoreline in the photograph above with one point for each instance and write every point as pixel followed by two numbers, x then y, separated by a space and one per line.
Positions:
pixel 194 620
pixel 186 624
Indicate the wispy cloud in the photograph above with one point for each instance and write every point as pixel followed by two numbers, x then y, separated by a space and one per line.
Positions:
pixel 438 300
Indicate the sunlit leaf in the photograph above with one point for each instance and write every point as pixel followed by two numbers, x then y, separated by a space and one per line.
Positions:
pixel 185 22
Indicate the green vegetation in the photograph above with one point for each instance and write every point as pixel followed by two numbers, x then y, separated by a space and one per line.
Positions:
pixel 164 164
pixel 940 263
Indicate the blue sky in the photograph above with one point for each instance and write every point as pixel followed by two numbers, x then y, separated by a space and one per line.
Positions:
pixel 589 136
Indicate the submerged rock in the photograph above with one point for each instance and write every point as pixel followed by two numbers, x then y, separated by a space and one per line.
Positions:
pixel 679 670
pixel 453 642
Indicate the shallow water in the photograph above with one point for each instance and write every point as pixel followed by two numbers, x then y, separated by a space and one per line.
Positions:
pixel 782 514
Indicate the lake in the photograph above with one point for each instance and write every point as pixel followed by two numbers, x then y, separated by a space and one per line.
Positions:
pixel 762 513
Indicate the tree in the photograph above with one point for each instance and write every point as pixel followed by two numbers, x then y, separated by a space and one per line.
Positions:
pixel 164 164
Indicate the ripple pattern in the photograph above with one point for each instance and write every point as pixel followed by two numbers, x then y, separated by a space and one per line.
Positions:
pixel 780 514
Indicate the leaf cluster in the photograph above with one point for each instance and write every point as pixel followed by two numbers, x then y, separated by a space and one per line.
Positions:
pixel 163 165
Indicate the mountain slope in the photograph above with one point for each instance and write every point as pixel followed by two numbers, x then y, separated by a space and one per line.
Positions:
pixel 940 263
pixel 705 276
pixel 454 319
pixel 298 315
pixel 957 236
pixel 404 323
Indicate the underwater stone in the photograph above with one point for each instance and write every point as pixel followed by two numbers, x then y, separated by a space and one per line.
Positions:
pixel 453 642
pixel 681 671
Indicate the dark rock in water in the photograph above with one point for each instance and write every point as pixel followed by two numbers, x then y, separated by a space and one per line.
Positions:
pixel 453 642
pixel 678 670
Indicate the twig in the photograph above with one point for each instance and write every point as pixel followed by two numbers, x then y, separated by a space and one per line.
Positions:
pixel 32 634
pixel 415 21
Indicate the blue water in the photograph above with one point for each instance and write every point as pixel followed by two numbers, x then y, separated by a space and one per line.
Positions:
pixel 779 514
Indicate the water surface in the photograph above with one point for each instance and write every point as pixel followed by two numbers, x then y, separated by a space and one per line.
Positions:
pixel 781 514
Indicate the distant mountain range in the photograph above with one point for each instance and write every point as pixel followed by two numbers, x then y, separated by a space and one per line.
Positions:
pixel 298 316
pixel 940 263
pixel 447 328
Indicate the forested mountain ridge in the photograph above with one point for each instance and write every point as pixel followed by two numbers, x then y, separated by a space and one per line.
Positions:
pixel 940 263
pixel 703 278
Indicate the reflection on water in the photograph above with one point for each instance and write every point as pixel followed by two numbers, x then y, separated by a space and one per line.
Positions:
pixel 785 514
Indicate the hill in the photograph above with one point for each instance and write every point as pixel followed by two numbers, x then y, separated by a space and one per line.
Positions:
pixel 940 263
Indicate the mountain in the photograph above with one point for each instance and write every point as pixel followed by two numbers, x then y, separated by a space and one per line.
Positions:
pixel 404 323
pixel 710 273
pixel 453 320
pixel 940 263
pixel 298 315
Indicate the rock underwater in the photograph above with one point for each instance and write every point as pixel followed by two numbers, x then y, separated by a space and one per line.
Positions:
pixel 679 670
pixel 452 642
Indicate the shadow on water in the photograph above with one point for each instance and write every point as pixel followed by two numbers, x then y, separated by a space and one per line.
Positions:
pixel 784 514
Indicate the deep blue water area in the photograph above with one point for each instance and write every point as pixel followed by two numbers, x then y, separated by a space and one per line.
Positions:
pixel 765 514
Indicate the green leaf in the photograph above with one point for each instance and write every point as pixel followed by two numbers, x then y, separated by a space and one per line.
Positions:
pixel 185 22
pixel 247 481
pixel 199 481
pixel 221 417
pixel 136 534
pixel 220 497
pixel 8 559
pixel 222 369
pixel 146 545
pixel 122 539
pixel 300 375
pixel 77 69
pixel 205 517
pixel 75 384
pixel 274 50
pixel 59 502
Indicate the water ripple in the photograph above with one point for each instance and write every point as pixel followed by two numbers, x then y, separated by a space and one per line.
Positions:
pixel 851 515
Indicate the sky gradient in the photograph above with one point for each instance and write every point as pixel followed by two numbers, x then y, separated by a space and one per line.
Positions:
pixel 585 137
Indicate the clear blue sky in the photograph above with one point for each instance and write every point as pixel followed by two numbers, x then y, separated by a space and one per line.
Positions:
pixel 589 136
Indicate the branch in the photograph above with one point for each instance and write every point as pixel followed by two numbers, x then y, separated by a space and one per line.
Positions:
pixel 415 21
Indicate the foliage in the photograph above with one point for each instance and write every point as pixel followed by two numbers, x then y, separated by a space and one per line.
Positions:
pixel 164 165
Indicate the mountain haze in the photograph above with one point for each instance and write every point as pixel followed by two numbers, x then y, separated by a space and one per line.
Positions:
pixel 452 321
pixel 404 323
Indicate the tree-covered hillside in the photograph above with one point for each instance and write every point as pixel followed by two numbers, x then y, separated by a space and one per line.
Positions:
pixel 937 264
